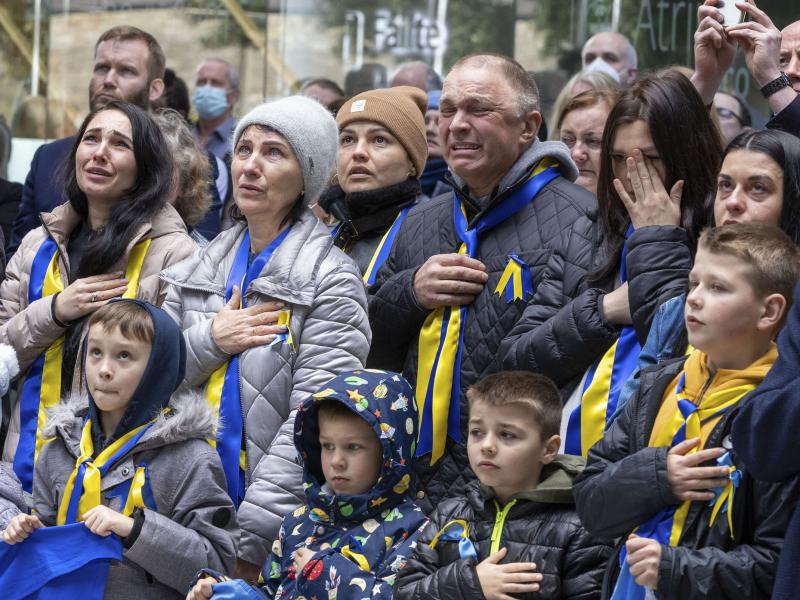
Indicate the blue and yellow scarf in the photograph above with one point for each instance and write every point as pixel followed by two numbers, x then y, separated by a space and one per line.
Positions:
pixel 438 389
pixel 82 491
pixel 603 383
pixel 41 389
pixel 223 389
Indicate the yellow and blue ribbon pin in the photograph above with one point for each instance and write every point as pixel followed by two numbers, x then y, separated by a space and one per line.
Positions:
pixel 516 282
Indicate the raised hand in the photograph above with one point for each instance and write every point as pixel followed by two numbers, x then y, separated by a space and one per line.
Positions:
pixel 714 52
pixel 651 204
pixel 760 41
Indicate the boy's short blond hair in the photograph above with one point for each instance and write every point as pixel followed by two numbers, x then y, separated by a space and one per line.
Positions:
pixel 531 390
pixel 771 256
pixel 132 320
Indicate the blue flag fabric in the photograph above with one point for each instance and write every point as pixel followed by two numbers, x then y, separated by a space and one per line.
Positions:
pixel 58 563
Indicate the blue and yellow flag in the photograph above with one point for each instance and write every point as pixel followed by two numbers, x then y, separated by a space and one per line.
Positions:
pixel 41 389
pixel 438 388
pixel 222 389
pixel 58 563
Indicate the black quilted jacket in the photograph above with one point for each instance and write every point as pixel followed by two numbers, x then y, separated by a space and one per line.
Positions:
pixel 559 225
pixel 659 261
pixel 625 483
pixel 541 527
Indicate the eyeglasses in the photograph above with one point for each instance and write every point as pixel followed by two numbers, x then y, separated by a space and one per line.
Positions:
pixel 724 113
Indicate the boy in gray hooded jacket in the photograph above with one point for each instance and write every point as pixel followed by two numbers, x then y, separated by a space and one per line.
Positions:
pixel 144 469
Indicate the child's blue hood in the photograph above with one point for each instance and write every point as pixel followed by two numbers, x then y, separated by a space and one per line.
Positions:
pixel 162 376
pixel 386 402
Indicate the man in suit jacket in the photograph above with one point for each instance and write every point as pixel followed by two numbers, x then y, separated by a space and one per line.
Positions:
pixel 128 65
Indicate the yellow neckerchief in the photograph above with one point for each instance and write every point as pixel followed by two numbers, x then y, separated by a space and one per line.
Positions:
pixel 713 394
pixel 89 471
pixel 709 391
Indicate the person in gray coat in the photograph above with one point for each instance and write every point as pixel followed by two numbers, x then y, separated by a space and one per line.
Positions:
pixel 253 371
pixel 160 485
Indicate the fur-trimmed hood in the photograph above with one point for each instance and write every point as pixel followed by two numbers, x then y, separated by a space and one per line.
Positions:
pixel 190 417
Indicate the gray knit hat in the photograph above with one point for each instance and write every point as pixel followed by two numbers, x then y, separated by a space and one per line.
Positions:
pixel 310 130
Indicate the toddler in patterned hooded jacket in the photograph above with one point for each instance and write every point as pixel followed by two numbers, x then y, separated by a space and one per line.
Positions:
pixel 357 439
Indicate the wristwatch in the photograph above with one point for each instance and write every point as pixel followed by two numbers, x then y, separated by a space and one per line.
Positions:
pixel 776 85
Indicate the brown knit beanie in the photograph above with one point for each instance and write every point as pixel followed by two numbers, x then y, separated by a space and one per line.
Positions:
pixel 401 110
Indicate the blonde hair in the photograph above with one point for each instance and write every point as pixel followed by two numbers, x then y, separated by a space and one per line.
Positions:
pixel 596 80
pixel 771 256
pixel 588 99
pixel 191 165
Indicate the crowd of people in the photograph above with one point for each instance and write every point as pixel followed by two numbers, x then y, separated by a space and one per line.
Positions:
pixel 398 343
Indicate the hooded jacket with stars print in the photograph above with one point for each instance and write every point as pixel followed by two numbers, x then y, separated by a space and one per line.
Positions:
pixel 370 535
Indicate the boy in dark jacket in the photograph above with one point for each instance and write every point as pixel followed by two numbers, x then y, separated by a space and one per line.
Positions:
pixel 357 439
pixel 133 460
pixel 697 523
pixel 515 533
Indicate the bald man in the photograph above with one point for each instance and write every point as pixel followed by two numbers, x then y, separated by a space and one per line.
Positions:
pixel 772 57
pixel 616 51
pixel 416 74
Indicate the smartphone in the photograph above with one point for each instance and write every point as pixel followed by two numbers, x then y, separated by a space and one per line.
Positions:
pixel 730 13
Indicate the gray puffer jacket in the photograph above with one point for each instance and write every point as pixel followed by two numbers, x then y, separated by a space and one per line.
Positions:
pixel 194 526
pixel 331 333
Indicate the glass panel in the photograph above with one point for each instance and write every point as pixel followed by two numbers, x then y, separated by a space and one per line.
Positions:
pixel 275 44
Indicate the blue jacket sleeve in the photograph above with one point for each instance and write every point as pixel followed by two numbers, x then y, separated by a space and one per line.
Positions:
pixel 769 417
pixel 329 569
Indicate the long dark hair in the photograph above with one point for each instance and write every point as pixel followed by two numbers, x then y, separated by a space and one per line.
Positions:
pixel 687 142
pixel 138 205
pixel 784 149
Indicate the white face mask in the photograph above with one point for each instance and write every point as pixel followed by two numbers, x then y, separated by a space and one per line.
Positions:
pixel 598 64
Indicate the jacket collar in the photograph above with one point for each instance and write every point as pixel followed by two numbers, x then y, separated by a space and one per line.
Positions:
pixel 515 176
pixel 63 219
pixel 293 269
pixel 555 485
pixel 190 417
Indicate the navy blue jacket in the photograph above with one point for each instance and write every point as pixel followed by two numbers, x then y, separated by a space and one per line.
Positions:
pixel 765 435
pixel 43 190
pixel 788 119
